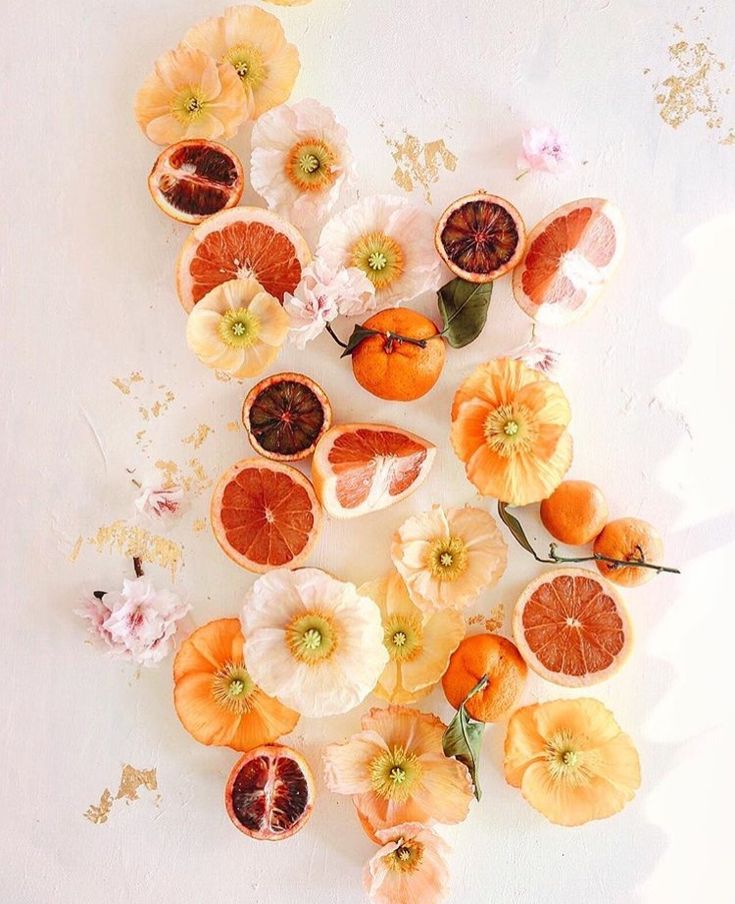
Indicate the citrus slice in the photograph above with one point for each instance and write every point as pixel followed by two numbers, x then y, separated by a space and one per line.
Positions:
pixel 235 244
pixel 270 793
pixel 480 237
pixel 285 415
pixel 361 468
pixel 192 180
pixel 570 256
pixel 572 628
pixel 265 515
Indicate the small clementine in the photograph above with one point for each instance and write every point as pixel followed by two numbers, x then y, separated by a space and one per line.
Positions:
pixel 629 540
pixel 475 657
pixel 393 369
pixel 575 513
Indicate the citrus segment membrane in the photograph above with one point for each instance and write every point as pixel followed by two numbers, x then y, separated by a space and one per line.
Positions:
pixel 480 237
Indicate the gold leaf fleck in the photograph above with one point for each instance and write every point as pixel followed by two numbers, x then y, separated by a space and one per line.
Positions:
pixel 199 525
pixel 131 780
pixel 496 619
pixel 124 384
pixel 98 814
pixel 133 541
pixel 76 549
pixel 419 163
pixel 233 426
pixel 198 436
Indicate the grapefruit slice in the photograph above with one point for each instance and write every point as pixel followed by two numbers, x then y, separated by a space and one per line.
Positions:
pixel 572 628
pixel 270 793
pixel 235 244
pixel 480 237
pixel 361 468
pixel 570 256
pixel 192 180
pixel 285 415
pixel 265 515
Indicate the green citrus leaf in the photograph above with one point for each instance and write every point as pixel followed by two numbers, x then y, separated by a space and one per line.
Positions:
pixel 514 526
pixel 359 334
pixel 463 738
pixel 464 306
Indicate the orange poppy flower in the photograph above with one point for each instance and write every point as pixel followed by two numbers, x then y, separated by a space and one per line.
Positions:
pixel 215 697
pixel 509 427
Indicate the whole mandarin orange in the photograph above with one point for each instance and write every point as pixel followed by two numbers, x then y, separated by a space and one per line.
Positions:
pixel 629 540
pixel 392 369
pixel 491 655
pixel 575 513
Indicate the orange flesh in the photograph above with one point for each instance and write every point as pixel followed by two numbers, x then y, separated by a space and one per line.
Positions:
pixel 355 458
pixel 573 627
pixel 267 517
pixel 480 236
pixel 245 248
pixel 270 795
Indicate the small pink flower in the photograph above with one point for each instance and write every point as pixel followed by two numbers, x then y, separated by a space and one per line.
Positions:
pixel 536 356
pixel 410 866
pixel 544 150
pixel 138 624
pixel 159 503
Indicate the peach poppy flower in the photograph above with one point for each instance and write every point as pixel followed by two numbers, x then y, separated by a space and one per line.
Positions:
pixel 251 41
pixel 509 427
pixel 215 697
pixel 188 95
pixel 448 558
pixel 571 760
pixel 419 647
pixel 396 771
pixel 411 865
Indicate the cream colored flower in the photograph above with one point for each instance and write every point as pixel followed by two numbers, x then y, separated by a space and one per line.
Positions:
pixel 419 647
pixel 448 558
pixel 237 328
pixel 300 161
pixel 188 95
pixel 312 641
pixel 391 241
pixel 253 43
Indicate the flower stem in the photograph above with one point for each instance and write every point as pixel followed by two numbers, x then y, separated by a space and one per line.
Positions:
pixel 138 566
pixel 396 337
pixel 328 327
pixel 524 173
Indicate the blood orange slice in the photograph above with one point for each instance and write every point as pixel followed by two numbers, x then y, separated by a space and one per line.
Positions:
pixel 572 628
pixel 192 180
pixel 361 468
pixel 237 243
pixel 270 793
pixel 480 237
pixel 265 515
pixel 570 256
pixel 285 415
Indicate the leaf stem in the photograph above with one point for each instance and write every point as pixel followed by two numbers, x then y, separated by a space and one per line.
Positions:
pixel 138 566
pixel 328 327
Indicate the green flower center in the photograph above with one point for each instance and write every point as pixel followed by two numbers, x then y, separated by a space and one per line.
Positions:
pixel 448 558
pixel 510 429
pixel 189 106
pixel 564 760
pixel 379 257
pixel 394 774
pixel 311 165
pixel 248 63
pixel 406 858
pixel 239 329
pixel 312 638
pixel 232 687
pixel 403 637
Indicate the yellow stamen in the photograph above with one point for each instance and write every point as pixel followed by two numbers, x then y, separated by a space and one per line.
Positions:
pixel 510 429
pixel 232 687
pixel 312 638
pixel 239 329
pixel 379 257
pixel 448 558
pixel 394 773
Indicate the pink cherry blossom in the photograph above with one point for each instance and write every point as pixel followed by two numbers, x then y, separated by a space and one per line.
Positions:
pixel 160 503
pixel 543 150
pixel 536 356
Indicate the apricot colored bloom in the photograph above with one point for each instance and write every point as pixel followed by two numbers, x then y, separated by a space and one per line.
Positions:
pixel 237 328
pixel 411 865
pixel 188 95
pixel 509 427
pixel 418 647
pixel 251 41
pixel 391 241
pixel 448 558
pixel 216 699
pixel 312 641
pixel 571 760
pixel 396 771
pixel 300 161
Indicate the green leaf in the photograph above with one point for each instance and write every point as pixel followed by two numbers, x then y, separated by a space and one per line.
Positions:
pixel 358 335
pixel 464 306
pixel 514 526
pixel 463 738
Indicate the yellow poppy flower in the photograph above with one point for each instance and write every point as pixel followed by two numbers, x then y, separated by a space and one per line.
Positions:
pixel 571 760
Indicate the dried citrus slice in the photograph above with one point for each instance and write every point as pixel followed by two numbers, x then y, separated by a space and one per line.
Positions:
pixel 572 628
pixel 361 468
pixel 570 256
pixel 235 244
pixel 285 415
pixel 480 237
pixel 270 793
pixel 192 180
pixel 265 515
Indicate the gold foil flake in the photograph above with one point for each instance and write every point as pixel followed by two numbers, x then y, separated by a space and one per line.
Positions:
pixel 475 620
pixel 161 405
pixel 419 163
pixel 193 478
pixel 131 780
pixel 133 541
pixel 125 384
pixel 76 549
pixel 199 525
pixel 98 814
pixel 169 472
pixel 223 376
pixel 496 619
pixel 233 426
pixel 144 413
pixel 198 436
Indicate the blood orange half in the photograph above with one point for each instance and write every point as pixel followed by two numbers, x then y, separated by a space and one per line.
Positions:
pixel 361 468
pixel 570 256
pixel 237 243
pixel 270 793
pixel 572 628
pixel 265 515
pixel 192 180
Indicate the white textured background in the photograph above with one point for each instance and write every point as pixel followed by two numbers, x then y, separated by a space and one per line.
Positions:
pixel 87 295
